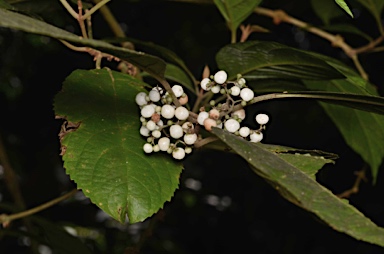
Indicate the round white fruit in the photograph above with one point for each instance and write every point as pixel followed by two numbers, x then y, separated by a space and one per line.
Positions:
pixel 181 113
pixel 262 119
pixel 220 77
pixel 148 148
pixel 204 84
pixel 154 95
pixel 201 117
pixel 141 99
pixel 256 137
pixel 190 139
pixel 167 111
pixel 164 143
pixel 178 153
pixel 176 131
pixel 246 94
pixel 147 111
pixel 232 125
pixel 177 90
pixel 244 132
pixel 235 90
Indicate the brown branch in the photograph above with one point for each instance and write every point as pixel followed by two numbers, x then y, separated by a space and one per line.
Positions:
pixel 279 16
pixel 360 175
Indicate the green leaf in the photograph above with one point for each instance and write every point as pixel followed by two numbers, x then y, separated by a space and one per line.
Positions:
pixel 174 73
pixel 362 131
pixel 104 156
pixel 264 60
pixel 375 7
pixel 6 5
pixel 308 161
pixel 304 191
pixel 326 10
pixel 164 53
pixel 151 64
pixel 58 239
pixel 347 28
pixel 236 11
pixel 344 6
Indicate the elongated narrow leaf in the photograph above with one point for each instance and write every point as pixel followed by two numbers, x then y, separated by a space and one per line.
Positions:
pixel 261 60
pixel 236 11
pixel 151 64
pixel 304 191
pixel 104 156
pixel 344 6
pixel 174 73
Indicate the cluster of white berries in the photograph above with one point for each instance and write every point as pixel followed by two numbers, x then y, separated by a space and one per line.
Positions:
pixel 223 114
pixel 165 125
pixel 171 129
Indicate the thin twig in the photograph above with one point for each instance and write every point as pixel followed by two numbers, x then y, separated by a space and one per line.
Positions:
pixel 80 19
pixel 360 175
pixel 279 16
pixel 8 218
pixel 95 8
pixel 69 9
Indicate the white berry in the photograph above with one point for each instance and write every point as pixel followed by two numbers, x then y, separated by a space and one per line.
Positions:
pixel 178 153
pixel 244 132
pixel 214 114
pixel 177 90
pixel 215 89
pixel 256 137
pixel 235 90
pixel 156 134
pixel 151 125
pixel 141 99
pixel 168 112
pixel 239 113
pixel 156 148
pixel 148 148
pixel 246 94
pixel 181 113
pixel 220 77
pixel 190 139
pixel 241 81
pixel 187 126
pixel 154 95
pixel 144 131
pixel 164 143
pixel 147 111
pixel 232 125
pixel 262 119
pixel 204 84
pixel 188 150
pixel 201 117
pixel 176 131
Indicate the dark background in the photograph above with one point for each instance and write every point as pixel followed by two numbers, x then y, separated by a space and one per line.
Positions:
pixel 221 205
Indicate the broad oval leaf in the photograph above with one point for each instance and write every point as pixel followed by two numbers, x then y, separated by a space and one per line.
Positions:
pixel 151 64
pixel 262 59
pixel 236 11
pixel 304 191
pixel 104 156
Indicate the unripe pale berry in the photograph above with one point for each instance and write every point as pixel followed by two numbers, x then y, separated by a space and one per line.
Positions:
pixel 204 84
pixel 148 148
pixel 241 81
pixel 141 99
pixel 256 137
pixel 151 125
pixel 164 143
pixel 177 90
pixel 183 100
pixel 178 153
pixel 220 77
pixel 154 95
pixel 187 126
pixel 232 125
pixel 188 150
pixel 147 111
pixel 181 113
pixel 244 132
pixel 160 123
pixel 156 148
pixel 215 89
pixel 246 94
pixel 190 139
pixel 235 90
pixel 176 131
pixel 262 119
pixel 209 123
pixel 144 131
pixel 168 112
pixel 239 113
pixel 201 117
